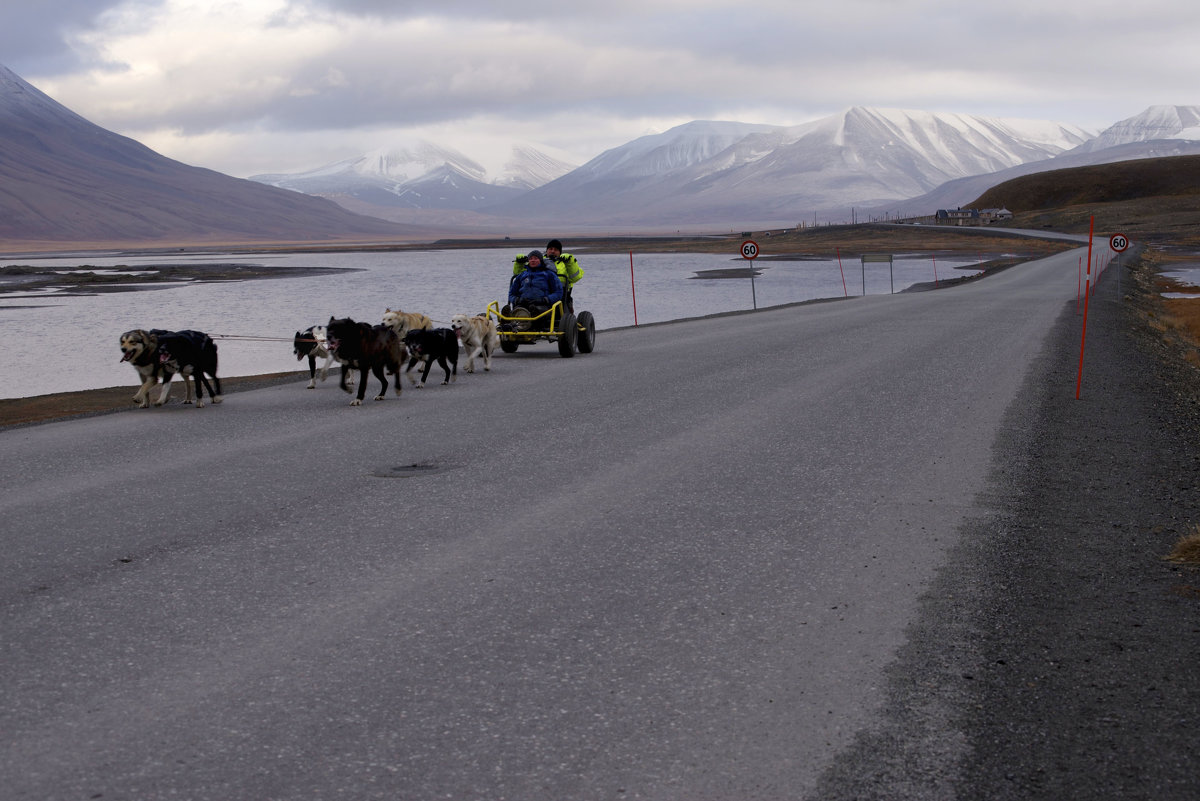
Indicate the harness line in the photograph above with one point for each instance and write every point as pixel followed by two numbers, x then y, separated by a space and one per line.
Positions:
pixel 257 338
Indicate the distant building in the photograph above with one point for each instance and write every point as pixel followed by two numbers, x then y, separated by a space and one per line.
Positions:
pixel 957 217
pixel 971 216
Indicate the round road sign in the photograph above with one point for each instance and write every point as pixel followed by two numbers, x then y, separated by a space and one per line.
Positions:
pixel 1118 242
pixel 749 249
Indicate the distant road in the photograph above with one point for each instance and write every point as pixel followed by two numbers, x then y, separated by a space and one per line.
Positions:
pixel 676 568
pixel 985 230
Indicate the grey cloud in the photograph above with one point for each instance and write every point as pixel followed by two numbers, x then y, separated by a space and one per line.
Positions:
pixel 412 94
pixel 532 10
pixel 34 36
pixel 467 74
pixel 638 60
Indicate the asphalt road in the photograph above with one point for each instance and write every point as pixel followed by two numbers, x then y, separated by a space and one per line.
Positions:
pixel 708 561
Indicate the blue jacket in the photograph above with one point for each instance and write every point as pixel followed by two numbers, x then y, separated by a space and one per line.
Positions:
pixel 537 286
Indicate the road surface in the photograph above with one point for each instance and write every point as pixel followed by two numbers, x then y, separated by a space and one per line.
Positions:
pixel 707 561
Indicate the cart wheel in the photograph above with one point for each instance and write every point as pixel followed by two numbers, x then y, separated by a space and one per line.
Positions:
pixel 566 340
pixel 508 344
pixel 586 341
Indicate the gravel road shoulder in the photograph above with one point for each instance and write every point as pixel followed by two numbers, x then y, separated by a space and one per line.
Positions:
pixel 1055 655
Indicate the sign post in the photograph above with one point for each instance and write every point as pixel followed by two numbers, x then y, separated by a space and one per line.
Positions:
pixel 1119 244
pixel 750 252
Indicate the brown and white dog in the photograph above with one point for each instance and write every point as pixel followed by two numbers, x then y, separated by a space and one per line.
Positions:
pixel 140 348
pixel 402 322
pixel 478 336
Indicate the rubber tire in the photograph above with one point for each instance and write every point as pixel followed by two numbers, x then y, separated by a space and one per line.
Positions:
pixel 566 340
pixel 586 341
pixel 508 345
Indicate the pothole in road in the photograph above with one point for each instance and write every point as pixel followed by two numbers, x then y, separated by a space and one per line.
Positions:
pixel 410 470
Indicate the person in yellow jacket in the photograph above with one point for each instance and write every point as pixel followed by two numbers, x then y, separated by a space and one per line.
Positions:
pixel 565 264
pixel 568 267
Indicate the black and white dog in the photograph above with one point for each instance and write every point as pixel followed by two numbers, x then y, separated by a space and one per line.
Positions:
pixel 438 344
pixel 365 348
pixel 313 343
pixel 191 354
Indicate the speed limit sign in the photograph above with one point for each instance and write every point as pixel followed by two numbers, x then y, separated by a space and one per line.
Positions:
pixel 1118 242
pixel 749 249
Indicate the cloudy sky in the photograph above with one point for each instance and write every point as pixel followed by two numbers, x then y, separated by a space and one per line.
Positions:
pixel 256 86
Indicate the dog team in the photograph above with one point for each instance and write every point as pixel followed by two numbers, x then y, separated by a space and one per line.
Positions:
pixel 359 347
pixel 378 349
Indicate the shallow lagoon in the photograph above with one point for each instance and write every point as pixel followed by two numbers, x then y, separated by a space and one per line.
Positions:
pixel 69 338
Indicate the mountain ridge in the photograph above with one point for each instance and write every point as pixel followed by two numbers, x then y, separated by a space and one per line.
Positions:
pixel 64 179
pixel 419 174
pixel 784 174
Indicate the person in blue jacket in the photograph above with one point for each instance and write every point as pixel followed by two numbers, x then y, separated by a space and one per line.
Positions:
pixel 535 287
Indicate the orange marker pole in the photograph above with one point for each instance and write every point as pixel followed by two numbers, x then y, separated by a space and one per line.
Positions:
pixel 1086 292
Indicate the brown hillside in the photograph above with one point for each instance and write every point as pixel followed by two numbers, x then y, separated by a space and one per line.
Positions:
pixel 1102 183
pixel 66 180
pixel 1149 199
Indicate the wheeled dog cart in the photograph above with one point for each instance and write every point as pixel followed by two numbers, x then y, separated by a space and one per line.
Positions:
pixel 521 326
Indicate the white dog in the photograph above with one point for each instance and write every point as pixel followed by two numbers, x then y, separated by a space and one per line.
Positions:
pixel 478 336
pixel 402 322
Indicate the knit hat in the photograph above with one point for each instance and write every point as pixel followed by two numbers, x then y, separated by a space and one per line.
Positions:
pixel 537 253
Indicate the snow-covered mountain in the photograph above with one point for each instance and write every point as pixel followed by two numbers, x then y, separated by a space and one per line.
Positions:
pixel 64 179
pixel 728 174
pixel 655 155
pixel 1158 132
pixel 1155 123
pixel 719 172
pixel 529 167
pixel 424 175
